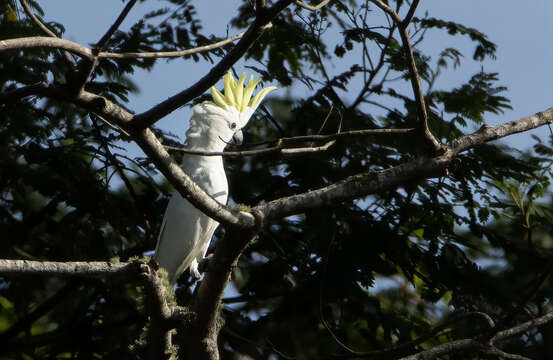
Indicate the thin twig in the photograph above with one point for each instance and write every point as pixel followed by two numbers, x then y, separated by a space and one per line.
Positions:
pixel 85 68
pixel 36 20
pixel 170 54
pixel 110 157
pixel 113 28
pixel 280 147
pixel 414 74
pixel 375 71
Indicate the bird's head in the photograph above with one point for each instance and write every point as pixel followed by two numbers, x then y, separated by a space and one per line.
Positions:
pixel 231 110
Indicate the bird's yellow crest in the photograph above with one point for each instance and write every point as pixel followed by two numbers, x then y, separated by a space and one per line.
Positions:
pixel 238 95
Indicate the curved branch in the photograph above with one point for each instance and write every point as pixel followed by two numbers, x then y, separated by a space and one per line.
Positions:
pixel 519 329
pixel 36 20
pixel 45 42
pixel 311 7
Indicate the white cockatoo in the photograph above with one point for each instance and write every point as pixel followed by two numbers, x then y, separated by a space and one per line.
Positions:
pixel 186 232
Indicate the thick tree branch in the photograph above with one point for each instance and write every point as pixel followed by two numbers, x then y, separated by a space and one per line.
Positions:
pixel 151 116
pixel 489 133
pixel 519 329
pixel 201 336
pixel 410 13
pixel 444 349
pixel 372 182
pixel 161 315
pixel 148 143
pixel 45 42
pixel 475 345
pixel 67 269
pixel 159 337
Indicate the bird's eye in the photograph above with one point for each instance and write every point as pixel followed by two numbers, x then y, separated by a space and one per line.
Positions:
pixel 233 126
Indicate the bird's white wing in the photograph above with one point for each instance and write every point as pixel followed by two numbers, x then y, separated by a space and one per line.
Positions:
pixel 186 232
pixel 179 233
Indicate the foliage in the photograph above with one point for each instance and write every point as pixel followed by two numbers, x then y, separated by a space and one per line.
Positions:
pixel 374 273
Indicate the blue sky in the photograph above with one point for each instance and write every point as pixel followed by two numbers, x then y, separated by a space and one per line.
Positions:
pixel 522 31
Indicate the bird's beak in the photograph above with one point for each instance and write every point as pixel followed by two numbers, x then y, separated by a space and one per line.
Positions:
pixel 238 137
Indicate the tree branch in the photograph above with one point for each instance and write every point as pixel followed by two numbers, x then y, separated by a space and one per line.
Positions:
pixel 201 336
pixel 45 42
pixel 161 315
pixel 410 13
pixel 79 77
pixel 413 71
pixel 372 182
pixel 149 144
pixel 113 28
pixel 67 269
pixel 280 148
pixel 185 186
pixel 488 348
pixel 443 349
pixel 172 54
pixel 44 28
pixel 36 20
pixel 151 116
pixel 311 7
pixel 159 337
pixel 519 329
